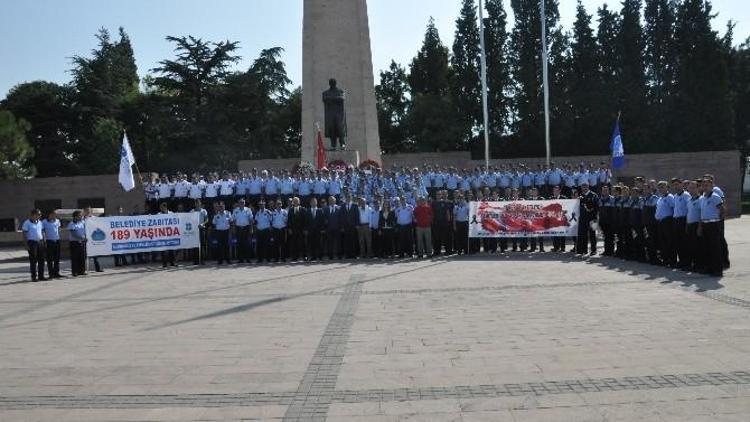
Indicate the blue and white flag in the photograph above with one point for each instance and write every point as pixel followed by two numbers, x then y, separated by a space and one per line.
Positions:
pixel 126 165
pixel 618 150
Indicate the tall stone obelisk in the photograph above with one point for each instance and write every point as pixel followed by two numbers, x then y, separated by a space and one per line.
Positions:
pixel 336 44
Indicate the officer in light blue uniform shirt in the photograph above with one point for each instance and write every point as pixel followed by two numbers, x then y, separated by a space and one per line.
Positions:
pixel 665 225
pixel 51 227
pixel 243 222
pixel 33 236
pixel 222 222
pixel 263 219
pixel 461 226
pixel 712 214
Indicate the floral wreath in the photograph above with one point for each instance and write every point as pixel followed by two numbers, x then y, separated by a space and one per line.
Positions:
pixel 369 164
pixel 302 167
pixel 337 165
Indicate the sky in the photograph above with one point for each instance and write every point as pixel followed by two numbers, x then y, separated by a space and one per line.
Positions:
pixel 40 36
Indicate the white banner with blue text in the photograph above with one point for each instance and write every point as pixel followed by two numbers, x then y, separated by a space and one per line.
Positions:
pixel 141 233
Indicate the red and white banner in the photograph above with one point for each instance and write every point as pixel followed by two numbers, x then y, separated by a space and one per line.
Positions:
pixel 549 218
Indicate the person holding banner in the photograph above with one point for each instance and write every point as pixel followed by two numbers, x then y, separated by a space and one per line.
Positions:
pixel 167 257
pixel 77 241
pixel 199 253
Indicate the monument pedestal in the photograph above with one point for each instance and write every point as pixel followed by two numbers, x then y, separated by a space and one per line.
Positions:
pixel 350 157
pixel 336 44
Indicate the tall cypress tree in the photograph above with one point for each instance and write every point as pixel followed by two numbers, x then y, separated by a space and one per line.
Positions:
pixel 527 72
pixel 429 71
pixel 434 122
pixel 632 79
pixel 589 123
pixel 703 106
pixel 499 82
pixel 659 17
pixel 466 86
pixel 607 52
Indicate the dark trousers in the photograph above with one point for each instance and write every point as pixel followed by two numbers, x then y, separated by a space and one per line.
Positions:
pixel 199 253
pixel 679 235
pixel 609 239
pixel 665 232
pixel 638 251
pixel 279 244
pixel 296 244
pixel 712 244
pixel 36 259
pixel 314 245
pixel 333 243
pixel 502 244
pixel 53 257
pixel 586 236
pixel 724 246
pixel 461 237
pixel 243 243
pixel 625 241
pixel 442 238
pixel 167 258
pixel 539 241
pixel 222 247
pixel 351 242
pixel 77 258
pixel 263 245
pixel 691 251
pixel 652 243
pixel 558 243
pixel 386 243
pixel 405 240
pixel 376 242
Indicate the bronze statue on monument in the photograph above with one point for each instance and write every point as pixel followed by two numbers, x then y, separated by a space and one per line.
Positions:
pixel 335 115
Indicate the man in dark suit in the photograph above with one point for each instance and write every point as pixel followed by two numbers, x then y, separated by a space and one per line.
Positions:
pixel 297 227
pixel 315 225
pixel 332 227
pixel 349 220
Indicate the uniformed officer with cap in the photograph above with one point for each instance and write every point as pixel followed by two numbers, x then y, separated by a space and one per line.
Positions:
pixel 665 225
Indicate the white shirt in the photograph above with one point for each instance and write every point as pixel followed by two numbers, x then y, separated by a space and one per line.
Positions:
pixel 227 187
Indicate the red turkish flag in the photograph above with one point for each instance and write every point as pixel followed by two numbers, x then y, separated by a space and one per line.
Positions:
pixel 321 156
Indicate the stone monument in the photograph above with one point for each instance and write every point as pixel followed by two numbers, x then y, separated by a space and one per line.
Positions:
pixel 336 45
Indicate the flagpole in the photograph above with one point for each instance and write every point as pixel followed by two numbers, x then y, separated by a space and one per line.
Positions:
pixel 485 111
pixel 545 77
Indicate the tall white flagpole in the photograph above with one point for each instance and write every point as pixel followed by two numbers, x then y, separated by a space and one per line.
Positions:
pixel 483 59
pixel 545 77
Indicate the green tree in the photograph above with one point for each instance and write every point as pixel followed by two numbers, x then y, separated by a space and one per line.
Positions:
pixel 107 79
pixel 527 71
pixel 103 84
pixel 739 71
pixel 393 104
pixel 660 57
pixel 499 80
pixel 631 78
pixel 589 132
pixel 429 71
pixel 15 150
pixel 199 66
pixel 47 108
pixel 433 122
pixel 466 85
pixel 703 106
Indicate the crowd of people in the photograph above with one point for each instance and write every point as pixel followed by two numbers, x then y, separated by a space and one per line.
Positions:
pixel 348 213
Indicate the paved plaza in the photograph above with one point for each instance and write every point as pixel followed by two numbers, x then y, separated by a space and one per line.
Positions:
pixel 513 337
